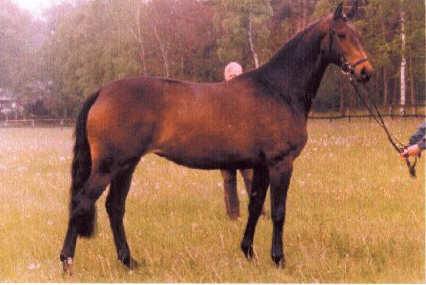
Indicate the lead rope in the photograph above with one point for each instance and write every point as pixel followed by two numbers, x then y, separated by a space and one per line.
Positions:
pixel 397 145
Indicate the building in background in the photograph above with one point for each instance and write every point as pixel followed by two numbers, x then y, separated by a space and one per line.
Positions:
pixel 9 108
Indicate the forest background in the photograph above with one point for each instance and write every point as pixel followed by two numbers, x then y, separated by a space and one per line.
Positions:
pixel 49 63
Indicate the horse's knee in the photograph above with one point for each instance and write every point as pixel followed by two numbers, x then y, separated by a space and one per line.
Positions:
pixel 256 204
pixel 113 210
pixel 81 206
pixel 278 214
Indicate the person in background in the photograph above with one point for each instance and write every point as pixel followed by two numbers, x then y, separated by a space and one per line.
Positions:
pixel 232 202
pixel 417 143
pixel 232 70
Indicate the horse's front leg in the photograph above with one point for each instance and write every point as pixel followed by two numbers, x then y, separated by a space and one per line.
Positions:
pixel 257 198
pixel 247 175
pixel 280 175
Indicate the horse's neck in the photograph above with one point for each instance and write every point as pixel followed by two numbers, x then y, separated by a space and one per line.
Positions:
pixel 297 69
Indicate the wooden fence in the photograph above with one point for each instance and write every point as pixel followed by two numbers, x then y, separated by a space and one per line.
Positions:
pixel 370 117
pixel 392 111
pixel 419 112
pixel 32 123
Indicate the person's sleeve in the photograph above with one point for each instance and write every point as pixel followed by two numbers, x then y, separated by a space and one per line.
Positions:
pixel 420 136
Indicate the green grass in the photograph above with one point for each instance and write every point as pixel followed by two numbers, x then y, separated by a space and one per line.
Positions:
pixel 354 215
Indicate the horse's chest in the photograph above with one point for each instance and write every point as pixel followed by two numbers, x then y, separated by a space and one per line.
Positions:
pixel 289 140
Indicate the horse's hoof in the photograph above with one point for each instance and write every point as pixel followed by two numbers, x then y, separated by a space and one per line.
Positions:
pixel 247 250
pixel 234 217
pixel 279 261
pixel 67 266
pixel 133 264
pixel 130 263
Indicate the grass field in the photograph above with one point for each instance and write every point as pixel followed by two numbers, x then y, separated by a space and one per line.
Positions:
pixel 354 215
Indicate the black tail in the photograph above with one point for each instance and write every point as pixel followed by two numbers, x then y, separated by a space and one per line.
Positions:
pixel 80 171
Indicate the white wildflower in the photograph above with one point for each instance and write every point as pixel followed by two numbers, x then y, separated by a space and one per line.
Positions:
pixel 33 266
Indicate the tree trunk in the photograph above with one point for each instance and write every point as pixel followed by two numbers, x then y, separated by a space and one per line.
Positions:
pixel 250 38
pixel 394 98
pixel 377 88
pixel 385 87
pixel 385 74
pixel 305 12
pixel 65 112
pixel 412 86
pixel 139 39
pixel 342 97
pixel 135 29
pixel 403 64
pixel 182 67
pixel 163 51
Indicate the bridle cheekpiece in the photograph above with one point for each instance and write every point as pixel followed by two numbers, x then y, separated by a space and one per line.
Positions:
pixel 346 67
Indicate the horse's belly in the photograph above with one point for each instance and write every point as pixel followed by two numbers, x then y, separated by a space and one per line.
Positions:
pixel 209 159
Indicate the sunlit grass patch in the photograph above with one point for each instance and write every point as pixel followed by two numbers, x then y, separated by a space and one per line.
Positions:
pixel 354 215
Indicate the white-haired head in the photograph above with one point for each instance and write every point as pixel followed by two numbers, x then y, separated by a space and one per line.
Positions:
pixel 232 70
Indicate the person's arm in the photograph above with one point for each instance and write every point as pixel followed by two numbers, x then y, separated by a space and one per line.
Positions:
pixel 417 142
pixel 419 137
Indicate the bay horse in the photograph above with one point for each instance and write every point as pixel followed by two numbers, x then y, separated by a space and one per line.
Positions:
pixel 257 120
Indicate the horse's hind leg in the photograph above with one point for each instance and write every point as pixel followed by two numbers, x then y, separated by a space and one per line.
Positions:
pixel 247 175
pixel 83 213
pixel 115 205
pixel 232 203
pixel 257 198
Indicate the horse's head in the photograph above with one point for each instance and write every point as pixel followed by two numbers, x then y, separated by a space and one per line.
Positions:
pixel 342 45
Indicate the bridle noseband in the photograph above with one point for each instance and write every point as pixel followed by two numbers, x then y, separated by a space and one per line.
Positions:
pixel 346 67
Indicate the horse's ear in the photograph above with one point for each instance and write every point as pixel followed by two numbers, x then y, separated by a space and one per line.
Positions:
pixel 338 14
pixel 352 13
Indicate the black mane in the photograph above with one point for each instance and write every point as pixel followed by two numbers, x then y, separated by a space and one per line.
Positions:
pixel 294 43
pixel 303 53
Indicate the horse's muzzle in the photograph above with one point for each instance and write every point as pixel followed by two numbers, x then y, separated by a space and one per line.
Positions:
pixel 364 71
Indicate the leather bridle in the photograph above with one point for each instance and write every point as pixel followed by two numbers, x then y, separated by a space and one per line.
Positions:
pixel 348 69
pixel 345 66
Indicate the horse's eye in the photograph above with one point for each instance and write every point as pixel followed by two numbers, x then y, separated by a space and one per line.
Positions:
pixel 341 36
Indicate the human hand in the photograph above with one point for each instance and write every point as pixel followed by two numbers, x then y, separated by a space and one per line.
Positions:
pixel 412 150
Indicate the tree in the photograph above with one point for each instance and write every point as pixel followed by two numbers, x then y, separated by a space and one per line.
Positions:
pixel 19 41
pixel 380 26
pixel 83 44
pixel 243 29
pixel 88 46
